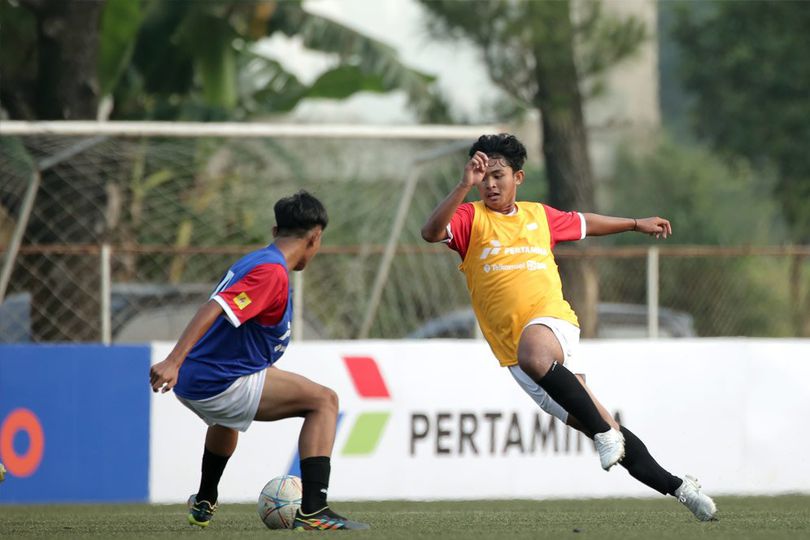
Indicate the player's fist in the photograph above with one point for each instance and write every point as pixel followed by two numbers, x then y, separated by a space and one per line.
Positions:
pixel 163 375
pixel 654 226
pixel 476 169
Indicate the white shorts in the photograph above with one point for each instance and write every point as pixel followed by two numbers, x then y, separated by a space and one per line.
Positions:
pixel 568 336
pixel 233 408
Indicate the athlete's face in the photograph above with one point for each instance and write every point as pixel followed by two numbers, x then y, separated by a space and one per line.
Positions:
pixel 498 189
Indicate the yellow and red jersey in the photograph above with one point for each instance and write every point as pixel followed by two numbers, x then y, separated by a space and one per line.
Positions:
pixel 511 273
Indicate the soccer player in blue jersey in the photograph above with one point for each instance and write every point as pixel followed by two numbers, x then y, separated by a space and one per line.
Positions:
pixel 222 366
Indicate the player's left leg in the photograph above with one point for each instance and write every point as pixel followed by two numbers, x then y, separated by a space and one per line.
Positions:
pixel 643 467
pixel 637 460
pixel 541 356
pixel 287 395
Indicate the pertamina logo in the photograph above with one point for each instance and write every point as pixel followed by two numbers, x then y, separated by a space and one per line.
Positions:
pixel 530 265
pixel 368 427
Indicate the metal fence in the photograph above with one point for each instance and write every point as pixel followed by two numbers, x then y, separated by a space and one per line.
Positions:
pixel 668 291
pixel 117 233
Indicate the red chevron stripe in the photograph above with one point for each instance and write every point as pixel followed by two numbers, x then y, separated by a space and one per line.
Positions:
pixel 366 376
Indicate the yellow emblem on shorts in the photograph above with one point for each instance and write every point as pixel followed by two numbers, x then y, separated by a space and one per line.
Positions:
pixel 242 300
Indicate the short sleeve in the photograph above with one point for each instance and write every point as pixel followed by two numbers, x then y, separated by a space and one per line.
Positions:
pixel 459 229
pixel 564 226
pixel 260 292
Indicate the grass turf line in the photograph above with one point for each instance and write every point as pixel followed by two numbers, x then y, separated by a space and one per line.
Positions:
pixel 785 517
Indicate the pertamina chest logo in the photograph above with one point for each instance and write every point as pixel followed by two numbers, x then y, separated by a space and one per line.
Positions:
pixel 242 300
pixel 496 248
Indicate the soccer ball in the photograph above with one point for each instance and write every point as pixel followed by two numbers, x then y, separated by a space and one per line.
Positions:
pixel 279 500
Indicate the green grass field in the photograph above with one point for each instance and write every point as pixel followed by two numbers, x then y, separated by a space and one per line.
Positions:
pixel 740 517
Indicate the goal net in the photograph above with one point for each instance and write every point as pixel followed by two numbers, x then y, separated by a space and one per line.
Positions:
pixel 118 231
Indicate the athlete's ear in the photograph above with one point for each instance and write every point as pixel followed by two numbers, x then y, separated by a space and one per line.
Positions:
pixel 314 236
pixel 519 177
pixel 275 231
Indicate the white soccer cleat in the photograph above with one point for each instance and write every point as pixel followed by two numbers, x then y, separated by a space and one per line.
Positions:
pixel 696 501
pixel 610 446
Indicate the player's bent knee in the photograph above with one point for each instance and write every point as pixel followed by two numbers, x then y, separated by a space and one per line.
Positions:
pixel 535 366
pixel 328 400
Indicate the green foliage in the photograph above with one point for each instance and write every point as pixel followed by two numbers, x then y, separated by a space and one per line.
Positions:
pixel 751 98
pixel 523 39
pixel 120 22
pixel 198 61
pixel 708 202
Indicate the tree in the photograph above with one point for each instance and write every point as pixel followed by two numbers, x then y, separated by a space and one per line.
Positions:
pixel 545 58
pixel 168 60
pixel 703 195
pixel 59 39
pixel 751 99
pixel 156 65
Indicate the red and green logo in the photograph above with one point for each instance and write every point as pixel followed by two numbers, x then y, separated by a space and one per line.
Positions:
pixel 368 427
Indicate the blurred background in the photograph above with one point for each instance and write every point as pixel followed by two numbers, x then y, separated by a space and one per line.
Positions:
pixel 696 111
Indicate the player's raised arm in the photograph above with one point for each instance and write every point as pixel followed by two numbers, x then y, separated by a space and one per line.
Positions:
pixel 598 225
pixel 163 375
pixel 435 229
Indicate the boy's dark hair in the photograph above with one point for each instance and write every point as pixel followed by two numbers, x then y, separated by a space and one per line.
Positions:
pixel 503 144
pixel 298 214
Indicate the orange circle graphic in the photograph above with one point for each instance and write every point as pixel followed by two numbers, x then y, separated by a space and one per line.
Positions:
pixel 27 464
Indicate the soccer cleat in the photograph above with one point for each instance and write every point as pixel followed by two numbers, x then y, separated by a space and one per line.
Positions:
pixel 200 513
pixel 325 520
pixel 695 500
pixel 610 446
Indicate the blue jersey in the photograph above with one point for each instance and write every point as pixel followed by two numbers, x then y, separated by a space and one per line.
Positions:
pixel 256 298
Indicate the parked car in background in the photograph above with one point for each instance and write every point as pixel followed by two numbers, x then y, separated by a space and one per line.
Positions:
pixel 616 321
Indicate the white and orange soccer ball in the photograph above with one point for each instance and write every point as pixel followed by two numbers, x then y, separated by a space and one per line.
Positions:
pixel 279 500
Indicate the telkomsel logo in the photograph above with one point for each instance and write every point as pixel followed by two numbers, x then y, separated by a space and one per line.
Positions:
pixel 368 427
pixel 22 442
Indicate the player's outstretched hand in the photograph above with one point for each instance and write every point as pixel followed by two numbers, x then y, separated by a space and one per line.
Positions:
pixel 654 226
pixel 163 375
pixel 476 169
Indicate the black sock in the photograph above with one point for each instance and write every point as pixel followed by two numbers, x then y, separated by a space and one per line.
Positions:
pixel 212 467
pixel 564 388
pixel 641 466
pixel 315 480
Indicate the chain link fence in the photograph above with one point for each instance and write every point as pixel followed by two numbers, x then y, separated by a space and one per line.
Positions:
pixel 121 238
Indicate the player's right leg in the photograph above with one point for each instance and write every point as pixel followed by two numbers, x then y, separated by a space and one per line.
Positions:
pixel 287 395
pixel 220 443
pixel 541 357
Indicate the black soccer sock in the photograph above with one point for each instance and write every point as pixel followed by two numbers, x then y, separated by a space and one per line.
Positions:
pixel 212 467
pixel 641 466
pixel 315 481
pixel 564 388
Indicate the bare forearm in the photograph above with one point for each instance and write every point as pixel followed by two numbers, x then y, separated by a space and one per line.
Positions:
pixel 195 329
pixel 598 225
pixel 435 228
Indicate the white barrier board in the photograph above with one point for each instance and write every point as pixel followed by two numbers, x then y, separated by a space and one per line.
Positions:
pixel 440 419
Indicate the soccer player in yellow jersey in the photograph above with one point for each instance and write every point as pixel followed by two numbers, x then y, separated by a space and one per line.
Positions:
pixel 506 253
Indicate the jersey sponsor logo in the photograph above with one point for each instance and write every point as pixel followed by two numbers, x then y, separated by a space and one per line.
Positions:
pixel 242 300
pixel 494 250
pixel 512 250
pixel 528 265
pixel 532 226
